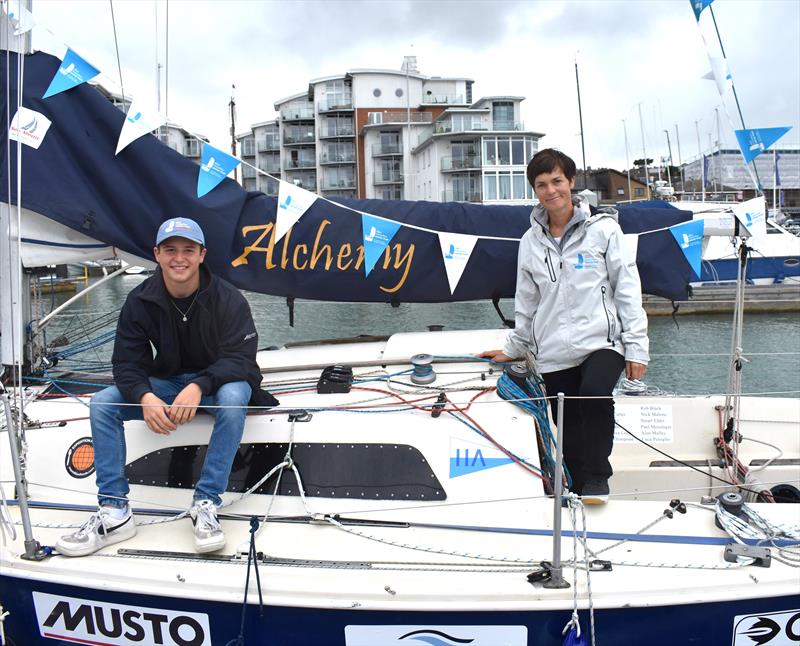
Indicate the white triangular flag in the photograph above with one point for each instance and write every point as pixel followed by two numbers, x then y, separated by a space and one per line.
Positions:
pixel 142 118
pixel 293 201
pixel 721 74
pixel 752 214
pixel 21 19
pixel 456 251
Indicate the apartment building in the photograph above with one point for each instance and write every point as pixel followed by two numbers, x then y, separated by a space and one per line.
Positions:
pixel 387 134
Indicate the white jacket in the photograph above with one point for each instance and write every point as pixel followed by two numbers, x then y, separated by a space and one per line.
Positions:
pixel 582 297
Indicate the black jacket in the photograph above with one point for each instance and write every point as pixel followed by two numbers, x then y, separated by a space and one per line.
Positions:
pixel 226 328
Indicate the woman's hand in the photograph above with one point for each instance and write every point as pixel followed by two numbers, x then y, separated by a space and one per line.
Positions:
pixel 634 370
pixel 495 355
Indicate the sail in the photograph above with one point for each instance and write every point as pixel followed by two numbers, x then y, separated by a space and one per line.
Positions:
pixel 74 178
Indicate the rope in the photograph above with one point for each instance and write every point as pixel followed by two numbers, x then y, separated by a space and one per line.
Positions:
pixel 252 561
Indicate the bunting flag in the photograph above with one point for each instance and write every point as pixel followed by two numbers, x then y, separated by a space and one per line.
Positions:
pixel 754 142
pixel 29 127
pixel 752 215
pixel 698 6
pixel 214 167
pixel 377 234
pixel 630 242
pixel 720 74
pixel 141 120
pixel 705 170
pixel 72 72
pixel 689 236
pixel 21 19
pixel 456 251
pixel 293 201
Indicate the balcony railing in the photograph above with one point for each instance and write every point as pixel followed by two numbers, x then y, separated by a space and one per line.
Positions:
pixel 338 184
pixel 388 177
pixel 268 144
pixel 270 167
pixel 304 138
pixel 248 172
pixel 326 132
pixel 508 125
pixel 379 118
pixel 296 114
pixel 393 148
pixel 332 104
pixel 461 196
pixel 348 157
pixel 443 98
pixel 467 162
pixel 308 184
pixel 443 127
pixel 291 164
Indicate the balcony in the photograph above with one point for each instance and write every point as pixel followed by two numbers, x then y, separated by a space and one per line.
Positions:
pixel 339 184
pixel 294 164
pixel 336 104
pixel 461 196
pixel 308 184
pixel 269 144
pixel 439 99
pixel 381 118
pixel 387 177
pixel 297 114
pixel 390 149
pixel 327 159
pixel 248 172
pixel 507 126
pixel 329 132
pixel 302 139
pixel 468 162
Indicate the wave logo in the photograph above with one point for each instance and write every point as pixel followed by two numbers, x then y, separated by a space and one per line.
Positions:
pixel 285 204
pixel 29 127
pixel 208 165
pixel 586 262
pixel 376 235
pixel 767 629
pixel 434 638
pixel 135 118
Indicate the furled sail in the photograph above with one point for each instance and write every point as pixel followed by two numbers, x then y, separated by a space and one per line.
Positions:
pixel 74 178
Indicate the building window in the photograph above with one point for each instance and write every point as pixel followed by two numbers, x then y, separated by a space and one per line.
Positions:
pixel 490 186
pixel 638 191
pixel 520 182
pixel 248 146
pixel 503 115
pixel 398 92
pixel 376 92
pixel 620 191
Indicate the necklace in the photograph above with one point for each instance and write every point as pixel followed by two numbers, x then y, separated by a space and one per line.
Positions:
pixel 188 309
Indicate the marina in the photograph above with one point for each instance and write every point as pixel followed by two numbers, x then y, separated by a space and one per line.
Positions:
pixel 376 459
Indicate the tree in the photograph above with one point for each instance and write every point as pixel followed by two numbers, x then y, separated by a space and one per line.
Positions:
pixel 639 163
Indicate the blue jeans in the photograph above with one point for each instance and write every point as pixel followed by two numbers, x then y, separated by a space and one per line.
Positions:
pixel 108 435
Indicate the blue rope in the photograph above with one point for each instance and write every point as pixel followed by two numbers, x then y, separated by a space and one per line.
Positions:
pixel 252 561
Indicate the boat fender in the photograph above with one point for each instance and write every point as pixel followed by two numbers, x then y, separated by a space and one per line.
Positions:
pixel 574 637
pixel 423 369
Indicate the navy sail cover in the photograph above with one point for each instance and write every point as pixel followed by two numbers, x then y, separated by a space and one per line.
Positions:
pixel 75 178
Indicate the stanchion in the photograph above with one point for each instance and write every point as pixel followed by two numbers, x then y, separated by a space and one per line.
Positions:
pixel 556 579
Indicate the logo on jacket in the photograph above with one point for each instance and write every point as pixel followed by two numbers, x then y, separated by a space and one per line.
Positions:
pixel 586 262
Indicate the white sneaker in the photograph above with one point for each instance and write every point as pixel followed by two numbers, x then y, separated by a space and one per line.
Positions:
pixel 102 529
pixel 208 534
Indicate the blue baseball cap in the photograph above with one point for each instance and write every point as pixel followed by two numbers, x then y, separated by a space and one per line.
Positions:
pixel 180 228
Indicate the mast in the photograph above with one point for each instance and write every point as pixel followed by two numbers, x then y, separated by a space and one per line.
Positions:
pixel 702 160
pixel 644 152
pixel 680 160
pixel 580 120
pixel 627 162
pixel 669 151
pixel 232 106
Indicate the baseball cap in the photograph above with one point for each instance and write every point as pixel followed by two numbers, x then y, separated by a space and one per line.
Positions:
pixel 181 228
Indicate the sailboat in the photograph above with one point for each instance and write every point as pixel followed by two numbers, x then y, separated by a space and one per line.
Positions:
pixel 405 492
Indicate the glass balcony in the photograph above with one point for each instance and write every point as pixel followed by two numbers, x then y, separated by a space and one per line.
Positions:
pixel 297 114
pixel 330 130
pixel 270 143
pixel 461 195
pixel 310 184
pixel 387 177
pixel 508 125
pixel 467 162
pixel 340 157
pixel 290 164
pixel 380 118
pixel 335 103
pixel 443 98
pixel 388 148
pixel 338 183
pixel 299 138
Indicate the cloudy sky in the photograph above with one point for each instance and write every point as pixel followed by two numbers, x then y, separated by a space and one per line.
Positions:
pixel 630 53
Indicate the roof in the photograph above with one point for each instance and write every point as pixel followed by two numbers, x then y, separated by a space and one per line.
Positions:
pixel 299 95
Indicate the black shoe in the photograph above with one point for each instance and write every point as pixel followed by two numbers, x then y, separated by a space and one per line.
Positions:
pixel 595 492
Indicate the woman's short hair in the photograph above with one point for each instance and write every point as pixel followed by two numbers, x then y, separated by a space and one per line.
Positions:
pixel 547 161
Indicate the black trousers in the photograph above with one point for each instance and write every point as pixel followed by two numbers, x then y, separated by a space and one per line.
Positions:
pixel 588 423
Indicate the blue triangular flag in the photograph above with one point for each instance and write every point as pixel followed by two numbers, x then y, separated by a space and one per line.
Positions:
pixel 689 236
pixel 73 71
pixel 698 6
pixel 377 234
pixel 754 142
pixel 214 167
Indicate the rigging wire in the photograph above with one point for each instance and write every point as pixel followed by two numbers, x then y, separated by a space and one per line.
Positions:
pixel 116 46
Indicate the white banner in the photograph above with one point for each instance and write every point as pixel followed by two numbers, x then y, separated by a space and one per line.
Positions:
pixel 21 19
pixel 29 127
pixel 721 74
pixel 293 201
pixel 753 215
pixel 456 251
pixel 141 119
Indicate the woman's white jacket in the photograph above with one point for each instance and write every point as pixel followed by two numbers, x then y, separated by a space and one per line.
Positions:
pixel 578 297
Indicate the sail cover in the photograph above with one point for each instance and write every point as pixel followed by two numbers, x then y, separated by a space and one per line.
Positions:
pixel 75 179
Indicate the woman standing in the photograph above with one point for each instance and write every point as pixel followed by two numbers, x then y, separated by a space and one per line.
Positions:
pixel 578 311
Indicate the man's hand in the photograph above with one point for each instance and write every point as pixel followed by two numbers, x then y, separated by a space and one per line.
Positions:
pixel 634 370
pixel 154 411
pixel 184 407
pixel 496 356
